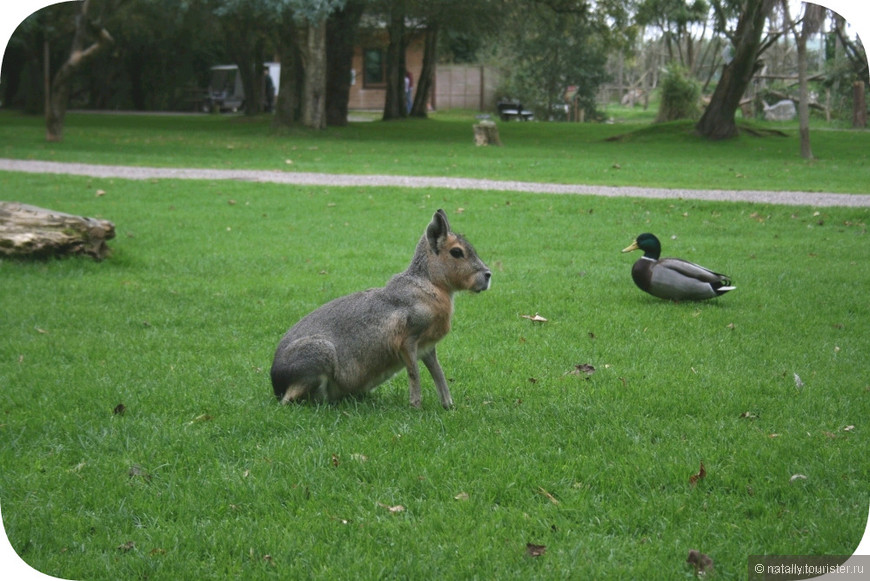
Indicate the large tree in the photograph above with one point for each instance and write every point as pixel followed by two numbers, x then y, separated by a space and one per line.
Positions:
pixel 813 16
pixel 86 30
pixel 456 18
pixel 718 120
pixel 394 102
pixel 341 35
pixel 303 47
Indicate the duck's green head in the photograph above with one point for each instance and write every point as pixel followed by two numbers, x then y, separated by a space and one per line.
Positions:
pixel 648 243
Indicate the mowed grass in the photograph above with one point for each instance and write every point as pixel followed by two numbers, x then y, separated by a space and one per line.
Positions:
pixel 205 476
pixel 571 153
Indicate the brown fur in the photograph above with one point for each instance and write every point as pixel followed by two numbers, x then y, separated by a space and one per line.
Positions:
pixel 356 342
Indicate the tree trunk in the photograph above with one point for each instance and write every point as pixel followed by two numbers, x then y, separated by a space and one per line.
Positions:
pixel 61 85
pixel 804 104
pixel 813 17
pixel 314 89
pixel 718 121
pixel 250 63
pixel 859 106
pixel 29 231
pixel 341 28
pixel 395 104
pixel 427 74
pixel 290 82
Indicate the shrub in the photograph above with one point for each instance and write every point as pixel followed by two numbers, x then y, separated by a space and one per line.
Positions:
pixel 680 96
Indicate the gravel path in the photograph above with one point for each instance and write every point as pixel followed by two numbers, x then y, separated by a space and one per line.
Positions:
pixel 318 179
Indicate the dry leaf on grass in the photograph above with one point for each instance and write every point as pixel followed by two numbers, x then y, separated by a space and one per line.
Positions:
pixel 702 473
pixel 394 509
pixel 582 369
pixel 461 496
pixel 701 562
pixel 535 318
pixel 549 496
pixel 533 550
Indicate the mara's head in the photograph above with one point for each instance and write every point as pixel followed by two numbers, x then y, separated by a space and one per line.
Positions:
pixel 450 259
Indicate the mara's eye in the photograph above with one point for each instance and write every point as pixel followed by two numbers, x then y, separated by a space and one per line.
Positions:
pixel 456 253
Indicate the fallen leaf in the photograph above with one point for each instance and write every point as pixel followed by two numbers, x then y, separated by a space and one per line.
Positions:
pixel 157 551
pixel 848 428
pixel 536 318
pixel 394 509
pixel 359 457
pixel 100 193
pixel 773 435
pixel 128 546
pixel 797 477
pixel 702 473
pixel 582 368
pixel 137 471
pixel 749 415
pixel 701 562
pixel 461 496
pixel 797 381
pixel 41 331
pixel 335 461
pixel 533 550
pixel 549 496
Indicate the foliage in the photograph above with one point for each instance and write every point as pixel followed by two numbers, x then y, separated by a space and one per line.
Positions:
pixel 680 96
pixel 549 50
pixel 674 18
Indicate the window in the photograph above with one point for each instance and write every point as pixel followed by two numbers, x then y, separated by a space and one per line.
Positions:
pixel 374 73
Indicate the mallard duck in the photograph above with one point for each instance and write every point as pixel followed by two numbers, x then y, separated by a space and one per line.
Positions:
pixel 673 278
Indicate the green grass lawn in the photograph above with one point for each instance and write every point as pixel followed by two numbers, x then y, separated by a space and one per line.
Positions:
pixel 568 153
pixel 204 475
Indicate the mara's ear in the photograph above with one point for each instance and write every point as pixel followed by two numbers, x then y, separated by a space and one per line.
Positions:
pixel 437 230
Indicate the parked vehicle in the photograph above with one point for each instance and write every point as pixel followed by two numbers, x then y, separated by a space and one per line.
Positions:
pixel 225 90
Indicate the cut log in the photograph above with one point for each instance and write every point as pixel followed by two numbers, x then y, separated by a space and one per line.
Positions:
pixel 30 231
pixel 486 133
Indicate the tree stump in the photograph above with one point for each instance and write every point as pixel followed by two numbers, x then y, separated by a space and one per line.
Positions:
pixel 29 231
pixel 486 133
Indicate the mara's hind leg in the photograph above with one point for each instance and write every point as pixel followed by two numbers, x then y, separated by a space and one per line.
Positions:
pixel 303 369
pixel 316 391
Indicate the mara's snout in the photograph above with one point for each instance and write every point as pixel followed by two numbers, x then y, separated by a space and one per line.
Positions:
pixel 484 279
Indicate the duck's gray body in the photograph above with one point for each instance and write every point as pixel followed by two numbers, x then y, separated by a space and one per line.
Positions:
pixel 674 279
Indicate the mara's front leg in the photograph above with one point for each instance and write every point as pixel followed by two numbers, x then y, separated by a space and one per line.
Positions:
pixel 430 359
pixel 409 356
